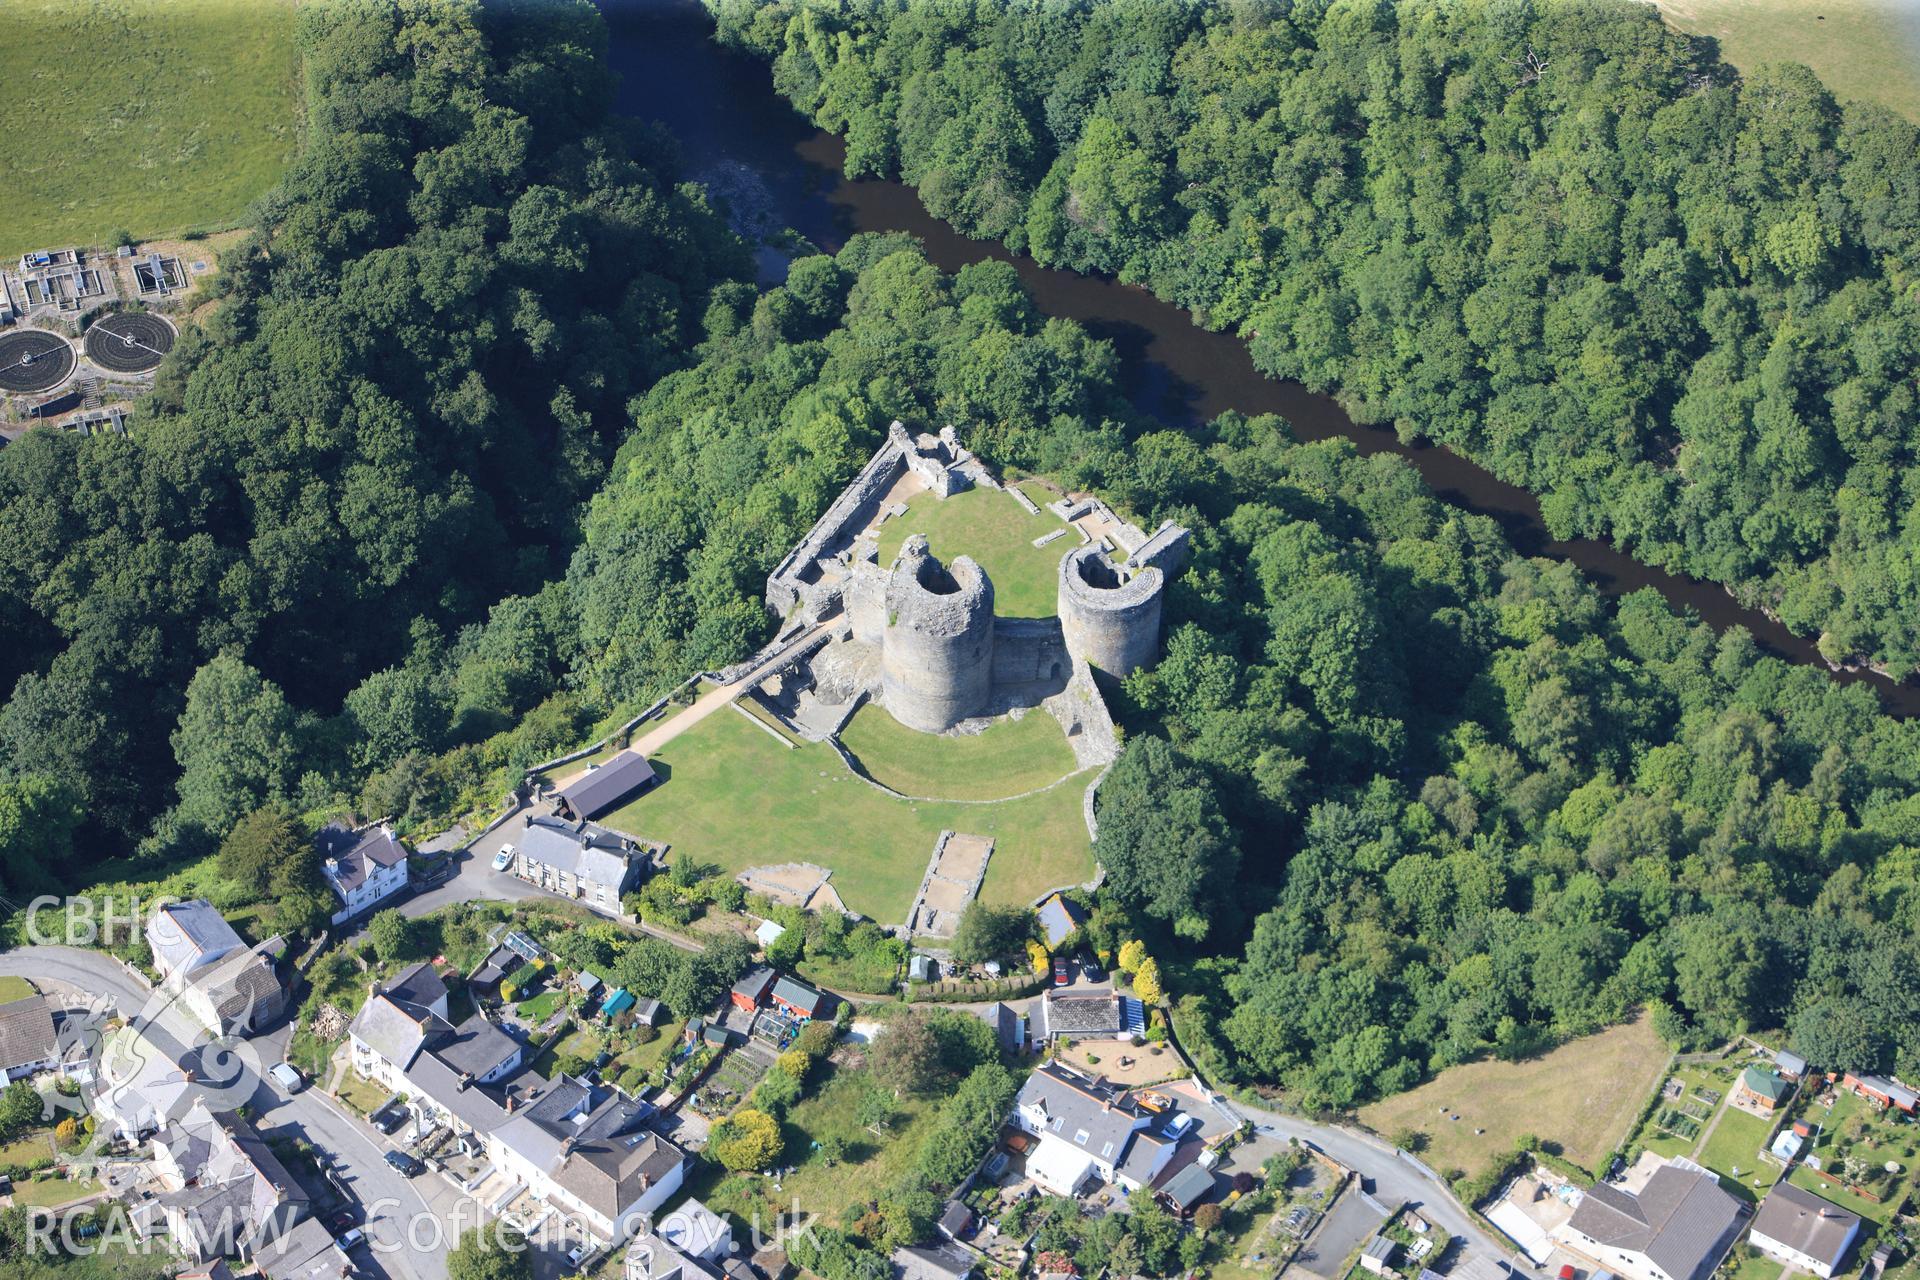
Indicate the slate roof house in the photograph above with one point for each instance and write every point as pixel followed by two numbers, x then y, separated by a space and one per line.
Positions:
pixel 939 1262
pixel 596 791
pixel 223 1192
pixel 1879 1089
pixel 1678 1227
pixel 363 868
pixel 587 1149
pixel 186 937
pixel 28 1041
pixel 577 860
pixel 1804 1230
pixel 691 1243
pixel 1089 1128
pixel 230 988
pixel 582 1148
pixel 307 1252
pixel 1078 1017
pixel 241 993
pixel 797 999
pixel 401 1038
pixel 752 988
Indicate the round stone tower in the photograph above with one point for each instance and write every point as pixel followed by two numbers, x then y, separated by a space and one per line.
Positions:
pixel 936 655
pixel 1109 617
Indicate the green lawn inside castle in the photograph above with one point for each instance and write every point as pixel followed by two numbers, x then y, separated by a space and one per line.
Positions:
pixel 926 727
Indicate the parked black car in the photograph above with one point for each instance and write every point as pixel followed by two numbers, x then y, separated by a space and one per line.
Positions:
pixel 406 1164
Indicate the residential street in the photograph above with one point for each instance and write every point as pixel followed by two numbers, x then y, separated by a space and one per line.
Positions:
pixel 1393 1180
pixel 392 1202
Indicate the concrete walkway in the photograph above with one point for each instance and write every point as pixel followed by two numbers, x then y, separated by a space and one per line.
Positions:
pixel 719 697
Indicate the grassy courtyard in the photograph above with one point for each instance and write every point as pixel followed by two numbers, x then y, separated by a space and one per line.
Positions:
pixel 998 533
pixel 1582 1095
pixel 1010 758
pixel 148 116
pixel 1867 49
pixel 735 798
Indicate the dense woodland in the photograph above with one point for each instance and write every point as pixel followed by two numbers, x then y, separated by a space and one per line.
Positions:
pixel 1394 798
pixel 416 374
pixel 1554 235
pixel 1405 798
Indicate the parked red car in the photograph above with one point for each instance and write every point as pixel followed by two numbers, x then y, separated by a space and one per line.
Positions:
pixel 1060 974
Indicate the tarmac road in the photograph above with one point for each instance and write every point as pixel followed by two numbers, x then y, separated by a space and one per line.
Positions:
pixel 392 1203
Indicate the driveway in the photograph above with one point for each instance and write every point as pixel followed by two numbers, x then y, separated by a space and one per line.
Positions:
pixel 474 877
pixel 394 1205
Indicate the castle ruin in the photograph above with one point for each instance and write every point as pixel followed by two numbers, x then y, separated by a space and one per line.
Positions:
pixel 921 638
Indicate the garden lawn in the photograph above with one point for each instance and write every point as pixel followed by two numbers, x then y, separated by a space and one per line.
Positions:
pixel 1583 1096
pixel 734 798
pixel 870 1164
pixel 1693 1078
pixel 998 534
pixel 47 1193
pixel 1893 1140
pixel 1751 1264
pixel 539 1008
pixel 12 988
pixel 144 116
pixel 27 1148
pixel 1733 1151
pixel 1868 49
pixel 364 1096
pixel 1011 758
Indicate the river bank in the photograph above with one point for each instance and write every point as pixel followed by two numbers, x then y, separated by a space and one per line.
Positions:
pixel 774 168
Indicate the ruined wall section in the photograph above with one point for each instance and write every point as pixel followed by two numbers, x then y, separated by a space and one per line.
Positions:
pixel 799 578
pixel 1109 615
pixel 936 652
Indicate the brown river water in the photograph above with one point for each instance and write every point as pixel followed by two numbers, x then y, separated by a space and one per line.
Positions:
pixel 774 170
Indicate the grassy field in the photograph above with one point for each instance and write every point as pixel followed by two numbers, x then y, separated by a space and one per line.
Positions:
pixel 1583 1095
pixel 735 798
pixel 992 528
pixel 12 988
pixel 1009 759
pixel 1868 49
pixel 149 116
pixel 538 1009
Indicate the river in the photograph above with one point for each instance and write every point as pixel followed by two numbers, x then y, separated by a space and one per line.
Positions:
pixel 775 170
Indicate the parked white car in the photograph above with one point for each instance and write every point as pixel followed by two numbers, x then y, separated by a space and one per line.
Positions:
pixel 287 1076
pixel 503 859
